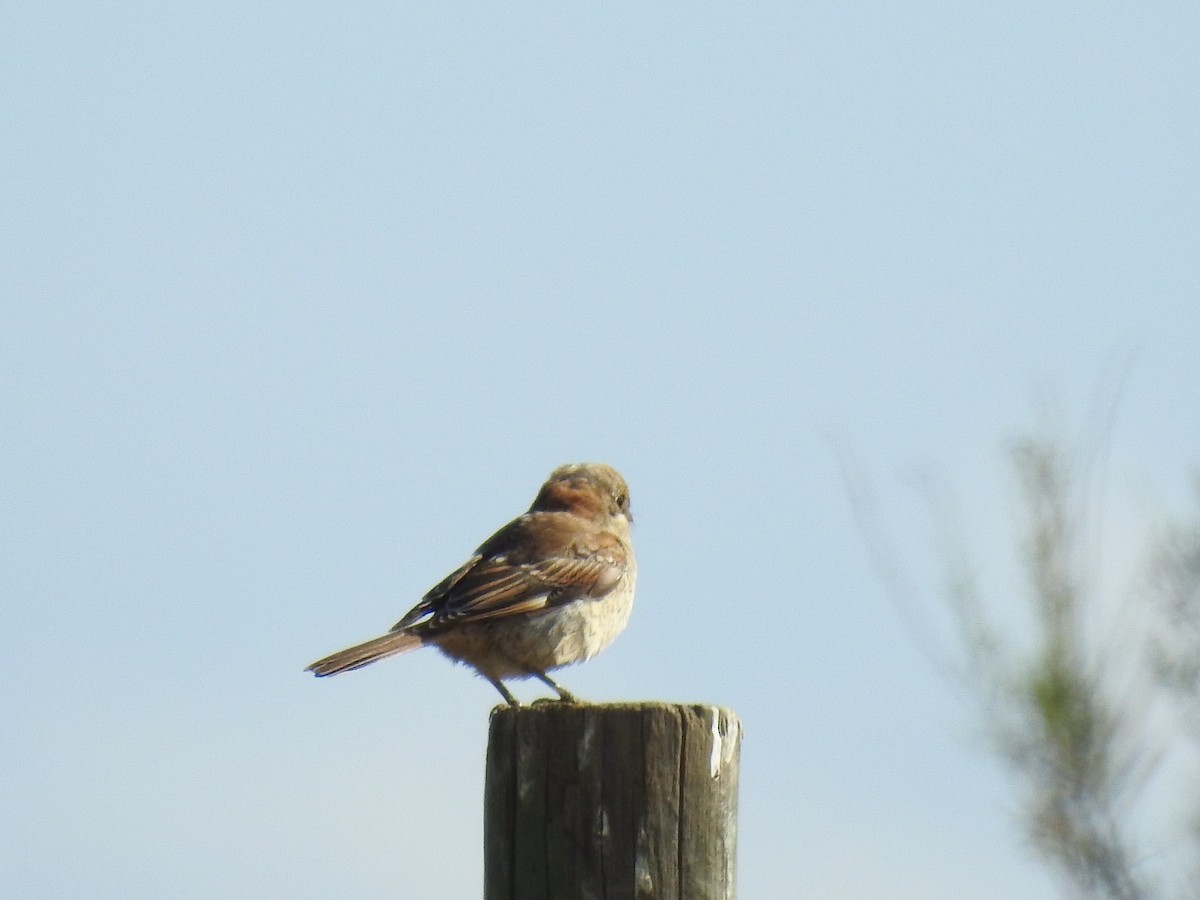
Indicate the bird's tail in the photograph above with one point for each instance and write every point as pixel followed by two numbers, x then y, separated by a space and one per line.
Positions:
pixel 365 653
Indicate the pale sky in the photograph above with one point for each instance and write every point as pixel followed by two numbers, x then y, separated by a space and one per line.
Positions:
pixel 303 302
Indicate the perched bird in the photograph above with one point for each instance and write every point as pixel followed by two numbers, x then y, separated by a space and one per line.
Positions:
pixel 551 588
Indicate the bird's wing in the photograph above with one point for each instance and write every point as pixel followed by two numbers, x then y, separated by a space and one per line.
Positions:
pixel 533 563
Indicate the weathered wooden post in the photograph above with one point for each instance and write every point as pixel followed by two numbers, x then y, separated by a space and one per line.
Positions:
pixel 612 801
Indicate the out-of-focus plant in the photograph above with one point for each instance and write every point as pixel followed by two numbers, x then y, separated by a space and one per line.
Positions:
pixel 1079 749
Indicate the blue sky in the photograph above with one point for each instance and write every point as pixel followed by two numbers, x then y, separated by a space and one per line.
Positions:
pixel 302 303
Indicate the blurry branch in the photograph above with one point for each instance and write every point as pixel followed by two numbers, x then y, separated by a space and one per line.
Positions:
pixel 1048 714
pixel 1059 731
pixel 879 547
pixel 1175 647
pixel 1175 639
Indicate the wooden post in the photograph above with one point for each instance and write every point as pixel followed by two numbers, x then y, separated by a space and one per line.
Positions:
pixel 611 802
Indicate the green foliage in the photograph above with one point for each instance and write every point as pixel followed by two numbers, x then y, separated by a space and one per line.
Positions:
pixel 1078 751
pixel 1056 728
pixel 1175 581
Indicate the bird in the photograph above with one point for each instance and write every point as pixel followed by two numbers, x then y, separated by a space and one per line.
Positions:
pixel 551 588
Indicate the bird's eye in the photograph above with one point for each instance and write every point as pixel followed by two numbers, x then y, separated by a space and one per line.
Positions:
pixel 621 500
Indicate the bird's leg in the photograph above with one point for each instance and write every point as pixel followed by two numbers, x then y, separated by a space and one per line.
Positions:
pixel 504 692
pixel 563 694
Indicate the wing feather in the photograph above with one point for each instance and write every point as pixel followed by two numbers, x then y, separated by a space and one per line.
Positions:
pixel 529 565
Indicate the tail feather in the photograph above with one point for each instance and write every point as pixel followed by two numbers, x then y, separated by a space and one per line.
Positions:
pixel 365 653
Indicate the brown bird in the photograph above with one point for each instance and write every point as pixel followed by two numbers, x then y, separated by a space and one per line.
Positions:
pixel 551 588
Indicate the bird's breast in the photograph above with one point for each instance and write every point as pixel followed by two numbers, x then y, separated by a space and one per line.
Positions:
pixel 558 636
